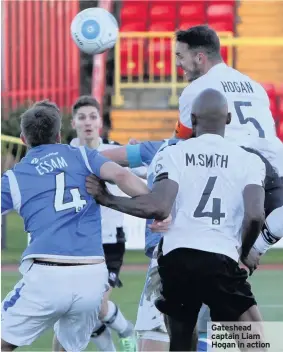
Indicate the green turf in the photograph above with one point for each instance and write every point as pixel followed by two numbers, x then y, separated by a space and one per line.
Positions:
pixel 267 286
pixel 17 240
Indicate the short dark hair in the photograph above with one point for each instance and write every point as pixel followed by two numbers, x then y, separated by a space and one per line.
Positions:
pixel 85 100
pixel 41 123
pixel 201 37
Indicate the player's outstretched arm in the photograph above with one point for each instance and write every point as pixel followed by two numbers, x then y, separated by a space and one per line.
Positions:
pixel 118 155
pixel 156 204
pixel 123 178
pixel 133 156
pixel 109 171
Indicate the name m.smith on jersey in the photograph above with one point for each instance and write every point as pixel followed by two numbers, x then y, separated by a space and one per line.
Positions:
pixel 212 160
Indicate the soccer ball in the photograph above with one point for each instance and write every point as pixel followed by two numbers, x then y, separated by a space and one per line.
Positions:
pixel 94 30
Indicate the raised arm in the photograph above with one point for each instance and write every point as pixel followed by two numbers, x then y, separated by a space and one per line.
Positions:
pixel 133 155
pixel 107 170
pixel 123 178
pixel 118 155
pixel 157 204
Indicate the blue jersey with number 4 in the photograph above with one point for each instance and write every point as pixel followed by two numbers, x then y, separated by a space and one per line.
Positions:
pixel 144 154
pixel 47 188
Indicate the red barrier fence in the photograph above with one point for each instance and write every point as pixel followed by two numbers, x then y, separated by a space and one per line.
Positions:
pixel 40 61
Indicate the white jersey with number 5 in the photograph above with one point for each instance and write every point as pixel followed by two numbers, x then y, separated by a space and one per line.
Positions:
pixel 209 209
pixel 252 123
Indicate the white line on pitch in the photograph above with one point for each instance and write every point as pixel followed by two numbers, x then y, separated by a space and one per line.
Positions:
pixel 271 306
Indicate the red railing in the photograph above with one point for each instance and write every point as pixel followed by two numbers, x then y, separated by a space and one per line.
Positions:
pixel 40 59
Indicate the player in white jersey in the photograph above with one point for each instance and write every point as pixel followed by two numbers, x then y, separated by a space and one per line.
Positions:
pixel 218 211
pixel 252 124
pixel 87 124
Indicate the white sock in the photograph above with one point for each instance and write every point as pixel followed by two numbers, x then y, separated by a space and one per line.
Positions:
pixel 272 231
pixel 103 339
pixel 115 319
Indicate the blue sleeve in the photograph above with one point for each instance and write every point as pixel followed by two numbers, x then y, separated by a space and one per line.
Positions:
pixel 94 160
pixel 142 153
pixel 6 199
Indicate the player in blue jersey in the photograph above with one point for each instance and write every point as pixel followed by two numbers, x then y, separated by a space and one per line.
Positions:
pixel 47 188
pixel 150 323
pixel 87 123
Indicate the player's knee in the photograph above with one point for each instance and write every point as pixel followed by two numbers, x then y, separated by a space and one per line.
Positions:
pixel 274 223
pixel 272 231
pixel 112 312
pixel 104 308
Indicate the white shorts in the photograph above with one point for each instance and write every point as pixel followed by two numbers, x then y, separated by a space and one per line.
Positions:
pixel 149 318
pixel 68 295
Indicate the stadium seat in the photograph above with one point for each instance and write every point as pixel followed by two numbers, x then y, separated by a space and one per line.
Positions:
pixel 279 91
pixel 133 27
pixel 159 50
pixel 192 10
pixel 185 24
pixel 134 10
pixel 159 54
pixel 130 52
pixel 164 26
pixel 162 11
pixel 133 46
pixel 131 65
pixel 224 13
pixel 270 89
pixel 221 26
pixel 222 2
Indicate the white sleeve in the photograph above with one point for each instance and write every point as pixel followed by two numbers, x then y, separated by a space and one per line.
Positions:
pixel 186 102
pixel 256 171
pixel 166 166
pixel 185 108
